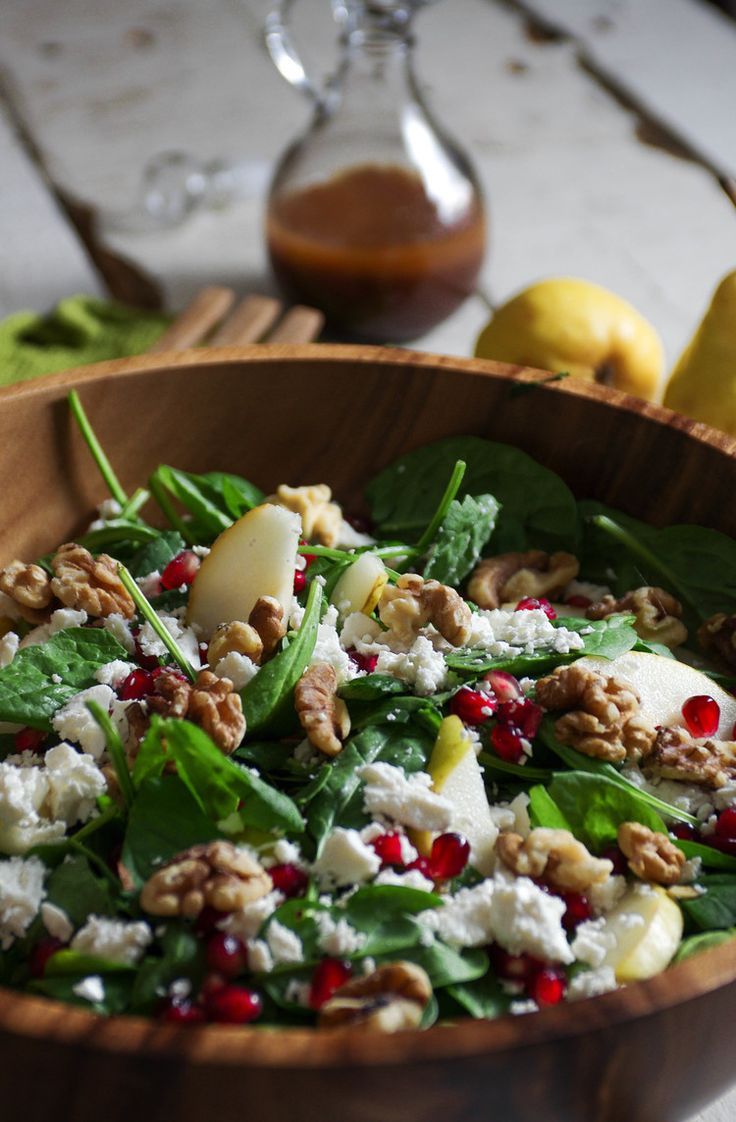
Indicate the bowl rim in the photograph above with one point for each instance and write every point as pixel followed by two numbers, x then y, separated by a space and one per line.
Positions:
pixel 39 1018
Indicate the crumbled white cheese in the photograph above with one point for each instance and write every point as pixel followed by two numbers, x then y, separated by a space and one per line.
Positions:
pixel 360 631
pixel 327 648
pixel 8 648
pixel 150 584
pixel 74 721
pixel 521 1008
pixel 421 666
pixel 345 860
pixel 605 896
pixel 113 673
pixel 283 852
pixel 306 754
pixel 691 870
pixel 526 919
pixel 592 942
pixel 120 629
pixel 260 960
pixel 465 919
pixel 23 791
pixel 412 878
pixel 284 944
pixel 297 993
pixel 238 668
pixel 57 922
pixel 180 988
pixel 153 647
pixel 114 939
pixel 247 921
pixel 591 983
pixel 66 617
pixel 685 796
pixel 500 633
pixel 91 988
pixel 21 893
pixel 725 796
pixel 409 800
pixel 338 938
pixel 75 782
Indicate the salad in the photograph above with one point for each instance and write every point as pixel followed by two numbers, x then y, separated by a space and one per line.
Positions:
pixel 276 764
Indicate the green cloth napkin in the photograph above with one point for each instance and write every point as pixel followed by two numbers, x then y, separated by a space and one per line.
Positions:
pixel 79 330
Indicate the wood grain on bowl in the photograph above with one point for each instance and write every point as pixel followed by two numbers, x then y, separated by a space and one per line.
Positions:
pixel 654 1052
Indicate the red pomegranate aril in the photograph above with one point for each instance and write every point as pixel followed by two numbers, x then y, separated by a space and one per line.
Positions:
pixel 472 706
pixel 503 685
pixel 300 581
pixel 547 987
pixel 137 685
pixel 524 715
pixel 289 879
pixel 29 740
pixel 724 845
pixel 328 976
pixel 211 984
pixel 702 714
pixel 613 854
pixel 449 856
pixel 514 967
pixel 360 522
pixel 181 1011
pixel 227 954
pixel 421 865
pixel 148 662
pixel 579 601
pixel 506 742
pixel 388 848
pixel 685 832
pixel 577 909
pixel 207 920
pixel 530 603
pixel 726 824
pixel 308 558
pixel 234 1005
pixel 182 569
pixel 41 953
pixel 366 662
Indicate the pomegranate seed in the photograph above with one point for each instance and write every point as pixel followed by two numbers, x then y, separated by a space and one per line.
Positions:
pixel 547 987
pixel 328 976
pixel 422 865
pixel 227 954
pixel 514 967
pixel 182 569
pixel 504 686
pixel 449 856
pixel 702 714
pixel 388 848
pixel 685 832
pixel 725 845
pixel 207 921
pixel 613 854
pixel 507 744
pixel 367 662
pixel 579 601
pixel 308 558
pixel 360 522
pixel 726 824
pixel 204 653
pixel 289 879
pixel 181 1011
pixel 29 740
pixel 530 603
pixel 148 662
pixel 577 909
pixel 472 706
pixel 41 953
pixel 137 685
pixel 300 581
pixel 234 1005
pixel 524 715
pixel 212 984
pixel 170 672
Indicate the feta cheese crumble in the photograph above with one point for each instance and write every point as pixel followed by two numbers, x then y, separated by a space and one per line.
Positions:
pixel 75 722
pixel 91 988
pixel 38 802
pixel 407 799
pixel 284 944
pixel 114 939
pixel 337 937
pixel 8 648
pixel 238 668
pixel 345 860
pixel 21 893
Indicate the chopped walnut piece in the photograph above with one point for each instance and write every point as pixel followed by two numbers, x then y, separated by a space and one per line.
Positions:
pixel 217 708
pixel 677 755
pixel 414 602
pixel 322 714
pixel 268 618
pixel 29 586
pixel 236 636
pixel 605 721
pixel 171 694
pixel 555 856
pixel 658 614
pixel 513 576
pixel 651 856
pixel 389 999
pixel 717 636
pixel 90 583
pixel 216 875
pixel 321 518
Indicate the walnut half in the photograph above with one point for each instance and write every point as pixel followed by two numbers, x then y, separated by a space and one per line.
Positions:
pixel 651 856
pixel 322 714
pixel 658 614
pixel 90 583
pixel 414 602
pixel 28 585
pixel 512 576
pixel 215 875
pixel 555 856
pixel 677 755
pixel 391 998
pixel 216 707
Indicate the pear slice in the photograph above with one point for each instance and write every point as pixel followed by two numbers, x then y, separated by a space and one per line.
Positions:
pixel 360 586
pixel 256 556
pixel 664 684
pixel 457 776
pixel 646 929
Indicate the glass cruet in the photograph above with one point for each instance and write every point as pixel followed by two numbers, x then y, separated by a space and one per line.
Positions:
pixel 374 215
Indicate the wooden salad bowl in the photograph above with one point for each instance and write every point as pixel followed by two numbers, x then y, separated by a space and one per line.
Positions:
pixel 653 1052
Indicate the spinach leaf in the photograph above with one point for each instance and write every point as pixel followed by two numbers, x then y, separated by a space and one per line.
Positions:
pixel 483 998
pixel 164 820
pixel 74 888
pixel 116 992
pixel 268 698
pixel 447 966
pixel 233 493
pixel 371 687
pixel 716 908
pixel 155 555
pixel 544 811
pixel 193 492
pixel 65 962
pixel 464 531
pixel 711 858
pixel 29 691
pixel 182 956
pixel 537 509
pixel 595 806
pixel 702 942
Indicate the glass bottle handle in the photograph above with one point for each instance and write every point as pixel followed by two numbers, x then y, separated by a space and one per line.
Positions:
pixel 284 55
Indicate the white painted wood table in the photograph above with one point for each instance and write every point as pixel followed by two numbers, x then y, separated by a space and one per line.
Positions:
pixel 600 129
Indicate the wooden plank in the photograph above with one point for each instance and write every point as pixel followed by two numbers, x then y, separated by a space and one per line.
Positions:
pixel 41 259
pixel 676 58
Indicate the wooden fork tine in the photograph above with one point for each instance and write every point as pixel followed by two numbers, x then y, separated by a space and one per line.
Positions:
pixel 248 322
pixel 299 325
pixel 196 321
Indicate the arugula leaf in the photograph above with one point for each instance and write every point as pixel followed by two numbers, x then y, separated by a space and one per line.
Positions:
pixel 716 908
pixel 595 806
pixel 155 555
pixel 461 537
pixel 704 941
pixel 537 509
pixel 194 493
pixel 164 820
pixel 29 691
pixel 268 697
pixel 74 888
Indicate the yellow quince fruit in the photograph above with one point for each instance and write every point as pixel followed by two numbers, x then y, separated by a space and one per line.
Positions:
pixel 573 325
pixel 703 383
